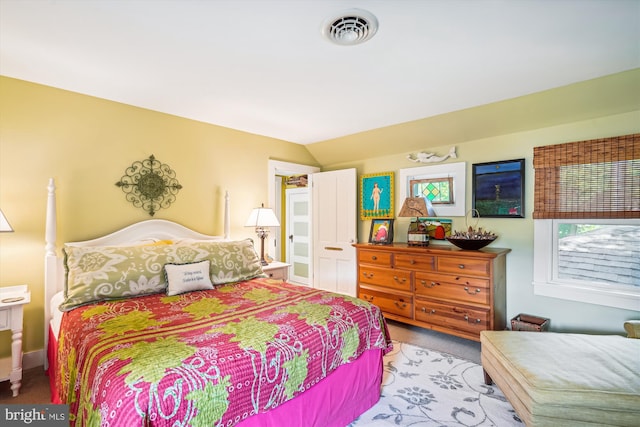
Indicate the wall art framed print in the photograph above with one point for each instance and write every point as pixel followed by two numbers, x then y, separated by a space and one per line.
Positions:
pixel 381 232
pixel 439 228
pixel 376 195
pixel 498 189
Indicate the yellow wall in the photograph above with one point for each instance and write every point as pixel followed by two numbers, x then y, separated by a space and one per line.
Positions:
pixel 517 233
pixel 587 100
pixel 86 143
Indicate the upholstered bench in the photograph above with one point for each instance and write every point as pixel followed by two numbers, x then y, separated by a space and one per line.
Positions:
pixel 557 379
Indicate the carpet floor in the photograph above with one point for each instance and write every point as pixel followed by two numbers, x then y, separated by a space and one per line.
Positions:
pixel 423 387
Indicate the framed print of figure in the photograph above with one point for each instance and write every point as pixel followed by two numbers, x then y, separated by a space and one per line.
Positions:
pixel 376 195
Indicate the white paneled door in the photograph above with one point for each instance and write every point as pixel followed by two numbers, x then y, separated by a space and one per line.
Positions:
pixel 298 231
pixel 334 223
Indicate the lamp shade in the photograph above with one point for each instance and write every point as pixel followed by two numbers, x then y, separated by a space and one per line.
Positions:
pixel 4 224
pixel 414 206
pixel 417 206
pixel 262 217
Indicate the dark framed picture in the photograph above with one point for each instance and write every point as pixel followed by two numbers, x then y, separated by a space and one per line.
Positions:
pixel 376 195
pixel 381 232
pixel 498 189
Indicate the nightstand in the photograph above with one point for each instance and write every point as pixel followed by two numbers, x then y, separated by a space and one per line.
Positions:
pixel 277 270
pixel 12 299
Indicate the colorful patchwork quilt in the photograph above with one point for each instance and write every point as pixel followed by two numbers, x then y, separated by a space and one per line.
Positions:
pixel 207 358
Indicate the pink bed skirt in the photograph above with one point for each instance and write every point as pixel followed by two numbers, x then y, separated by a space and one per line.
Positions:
pixel 52 355
pixel 334 402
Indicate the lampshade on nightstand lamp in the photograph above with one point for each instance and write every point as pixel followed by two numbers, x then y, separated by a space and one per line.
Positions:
pixel 417 207
pixel 261 218
pixel 4 224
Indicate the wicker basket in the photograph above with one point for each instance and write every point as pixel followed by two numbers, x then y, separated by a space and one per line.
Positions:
pixel 527 322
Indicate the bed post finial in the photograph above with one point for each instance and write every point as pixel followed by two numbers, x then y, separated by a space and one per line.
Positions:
pixel 227 227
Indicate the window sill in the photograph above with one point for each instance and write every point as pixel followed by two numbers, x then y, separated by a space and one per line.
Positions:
pixel 612 298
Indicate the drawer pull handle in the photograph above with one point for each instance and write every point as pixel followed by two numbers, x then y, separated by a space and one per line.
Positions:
pixel 432 311
pixel 369 275
pixel 400 304
pixel 413 261
pixel 374 257
pixel 368 298
pixel 430 285
pixel 461 266
pixel 467 319
pixel 466 288
pixel 404 279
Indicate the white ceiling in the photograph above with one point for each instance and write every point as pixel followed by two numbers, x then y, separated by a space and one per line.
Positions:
pixel 263 66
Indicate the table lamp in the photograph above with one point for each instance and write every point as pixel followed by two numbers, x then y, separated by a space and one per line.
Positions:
pixel 261 218
pixel 417 207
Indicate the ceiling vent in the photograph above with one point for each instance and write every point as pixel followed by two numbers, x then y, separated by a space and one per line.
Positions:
pixel 353 26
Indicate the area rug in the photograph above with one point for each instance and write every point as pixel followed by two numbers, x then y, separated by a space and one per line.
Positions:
pixel 423 387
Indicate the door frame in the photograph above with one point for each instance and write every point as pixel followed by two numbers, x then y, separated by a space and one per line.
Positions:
pixel 275 168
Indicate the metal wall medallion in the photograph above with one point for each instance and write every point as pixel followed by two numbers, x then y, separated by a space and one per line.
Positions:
pixel 150 184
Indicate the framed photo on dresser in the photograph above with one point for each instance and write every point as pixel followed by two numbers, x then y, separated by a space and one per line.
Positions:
pixel 381 232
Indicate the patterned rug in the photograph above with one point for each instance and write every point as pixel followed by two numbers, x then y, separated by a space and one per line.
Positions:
pixel 422 387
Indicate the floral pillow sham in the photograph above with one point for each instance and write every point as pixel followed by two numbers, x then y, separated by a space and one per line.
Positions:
pixel 101 273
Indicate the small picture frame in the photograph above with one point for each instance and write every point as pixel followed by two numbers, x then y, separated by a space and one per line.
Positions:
pixel 439 228
pixel 498 189
pixel 376 195
pixel 381 232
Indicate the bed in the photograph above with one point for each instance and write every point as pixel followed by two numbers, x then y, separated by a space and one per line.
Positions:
pixel 156 325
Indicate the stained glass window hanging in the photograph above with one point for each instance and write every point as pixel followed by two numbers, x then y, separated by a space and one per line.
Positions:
pixel 438 191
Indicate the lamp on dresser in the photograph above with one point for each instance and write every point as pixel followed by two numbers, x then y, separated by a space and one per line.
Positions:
pixel 262 218
pixel 417 207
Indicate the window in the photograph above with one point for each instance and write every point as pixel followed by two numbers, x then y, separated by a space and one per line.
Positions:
pixel 446 180
pixel 439 191
pixel 587 221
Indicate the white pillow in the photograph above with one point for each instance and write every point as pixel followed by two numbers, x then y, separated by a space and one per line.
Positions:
pixel 183 278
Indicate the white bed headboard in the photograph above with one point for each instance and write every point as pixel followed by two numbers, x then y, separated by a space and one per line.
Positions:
pixel 142 232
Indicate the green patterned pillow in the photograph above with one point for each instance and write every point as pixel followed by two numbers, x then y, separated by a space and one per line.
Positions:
pixel 111 272
pixel 231 261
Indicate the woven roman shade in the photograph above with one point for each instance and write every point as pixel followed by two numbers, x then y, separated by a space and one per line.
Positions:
pixel 592 179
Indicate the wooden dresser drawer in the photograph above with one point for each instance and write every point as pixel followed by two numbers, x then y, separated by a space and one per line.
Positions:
pixel 415 262
pixel 375 257
pixel 476 267
pixel 452 316
pixel 387 277
pixel 395 304
pixel 438 287
pixel 446 286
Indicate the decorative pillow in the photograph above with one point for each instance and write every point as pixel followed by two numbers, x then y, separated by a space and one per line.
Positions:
pixel 183 278
pixel 111 272
pixel 231 261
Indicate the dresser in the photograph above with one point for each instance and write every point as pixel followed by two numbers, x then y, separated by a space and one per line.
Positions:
pixel 443 288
